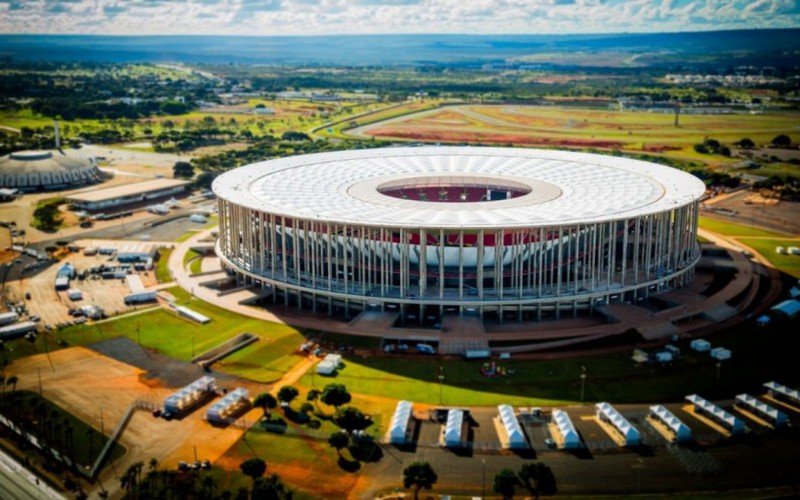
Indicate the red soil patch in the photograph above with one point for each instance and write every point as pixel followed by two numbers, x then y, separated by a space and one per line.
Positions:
pixel 659 148
pixel 496 138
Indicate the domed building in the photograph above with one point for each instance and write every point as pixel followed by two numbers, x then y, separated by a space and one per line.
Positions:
pixel 31 171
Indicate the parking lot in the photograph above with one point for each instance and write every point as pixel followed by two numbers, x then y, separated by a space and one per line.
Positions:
pixel 37 290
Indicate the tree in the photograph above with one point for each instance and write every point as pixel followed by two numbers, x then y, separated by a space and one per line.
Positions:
pixel 270 488
pixel 351 419
pixel 287 394
pixel 335 395
pixel 183 169
pixel 46 216
pixel 295 136
pixel 505 483
pixel 782 141
pixel 205 179
pixel 747 143
pixel 266 402
pixel 537 478
pixel 419 475
pixel 253 467
pixel 339 440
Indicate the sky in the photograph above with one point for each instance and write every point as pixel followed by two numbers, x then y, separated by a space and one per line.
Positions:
pixel 332 17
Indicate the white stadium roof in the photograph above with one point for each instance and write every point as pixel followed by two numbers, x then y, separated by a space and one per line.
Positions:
pixel 565 187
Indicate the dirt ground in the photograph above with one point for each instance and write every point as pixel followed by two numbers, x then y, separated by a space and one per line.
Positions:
pixel 99 390
pixel 781 216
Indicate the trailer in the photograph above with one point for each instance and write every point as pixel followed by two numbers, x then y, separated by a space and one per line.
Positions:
pixel 8 318
pixel 17 330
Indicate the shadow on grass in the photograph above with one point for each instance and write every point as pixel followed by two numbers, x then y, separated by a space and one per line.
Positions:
pixel 348 465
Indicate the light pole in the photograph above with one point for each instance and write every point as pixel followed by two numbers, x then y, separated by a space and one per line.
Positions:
pixel 483 479
pixel 441 385
pixel 583 382
pixel 719 369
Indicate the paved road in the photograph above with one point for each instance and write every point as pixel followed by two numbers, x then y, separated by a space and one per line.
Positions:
pixel 17 483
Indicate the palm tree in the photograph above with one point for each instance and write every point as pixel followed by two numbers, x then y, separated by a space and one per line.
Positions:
pixel 419 475
pixel 12 381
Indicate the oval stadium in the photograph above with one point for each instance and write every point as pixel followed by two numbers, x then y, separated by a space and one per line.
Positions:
pixel 521 234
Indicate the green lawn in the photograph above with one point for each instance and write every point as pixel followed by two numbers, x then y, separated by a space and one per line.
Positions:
pixel 613 378
pixel 790 264
pixel 162 266
pixel 85 442
pixel 179 338
pixel 732 229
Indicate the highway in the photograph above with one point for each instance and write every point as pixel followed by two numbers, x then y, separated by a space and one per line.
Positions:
pixel 17 483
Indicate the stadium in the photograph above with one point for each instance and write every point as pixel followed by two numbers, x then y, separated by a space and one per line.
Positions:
pixel 493 232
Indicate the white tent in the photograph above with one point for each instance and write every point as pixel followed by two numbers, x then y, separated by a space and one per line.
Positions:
pixel 700 345
pixel 735 425
pixel 229 405
pixel 681 431
pixel 748 402
pixel 190 395
pixel 782 392
pixel 516 438
pixel 610 414
pixel 453 427
pixel 399 424
pixel 567 429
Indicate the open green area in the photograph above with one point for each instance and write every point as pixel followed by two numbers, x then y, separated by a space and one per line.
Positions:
pixel 726 228
pixel 613 377
pixel 162 266
pixel 179 338
pixel 790 264
pixel 61 430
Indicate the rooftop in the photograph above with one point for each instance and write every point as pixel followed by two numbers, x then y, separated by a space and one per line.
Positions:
pixel 547 187
pixel 125 190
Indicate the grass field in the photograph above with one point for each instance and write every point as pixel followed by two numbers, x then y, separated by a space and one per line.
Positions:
pixel 733 229
pixel 613 378
pixel 559 126
pixel 761 240
pixel 82 443
pixel 162 266
pixel 179 338
pixel 378 113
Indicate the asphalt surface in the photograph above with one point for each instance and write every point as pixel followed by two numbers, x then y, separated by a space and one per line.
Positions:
pixel 17 483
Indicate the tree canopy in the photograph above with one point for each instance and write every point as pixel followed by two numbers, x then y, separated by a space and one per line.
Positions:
pixel 419 475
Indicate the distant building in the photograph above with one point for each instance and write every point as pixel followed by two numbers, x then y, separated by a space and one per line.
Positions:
pixel 32 171
pixel 124 195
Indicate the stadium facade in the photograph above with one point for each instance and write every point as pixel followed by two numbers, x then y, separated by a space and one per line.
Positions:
pixel 510 233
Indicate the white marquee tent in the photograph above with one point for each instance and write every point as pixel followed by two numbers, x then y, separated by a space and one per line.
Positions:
pixel 610 414
pixel 681 431
pixel 567 429
pixel 516 438
pixel 399 424
pixel 748 402
pixel 452 429
pixel 733 424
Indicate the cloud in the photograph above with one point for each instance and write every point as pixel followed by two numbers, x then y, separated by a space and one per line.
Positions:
pixel 316 17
